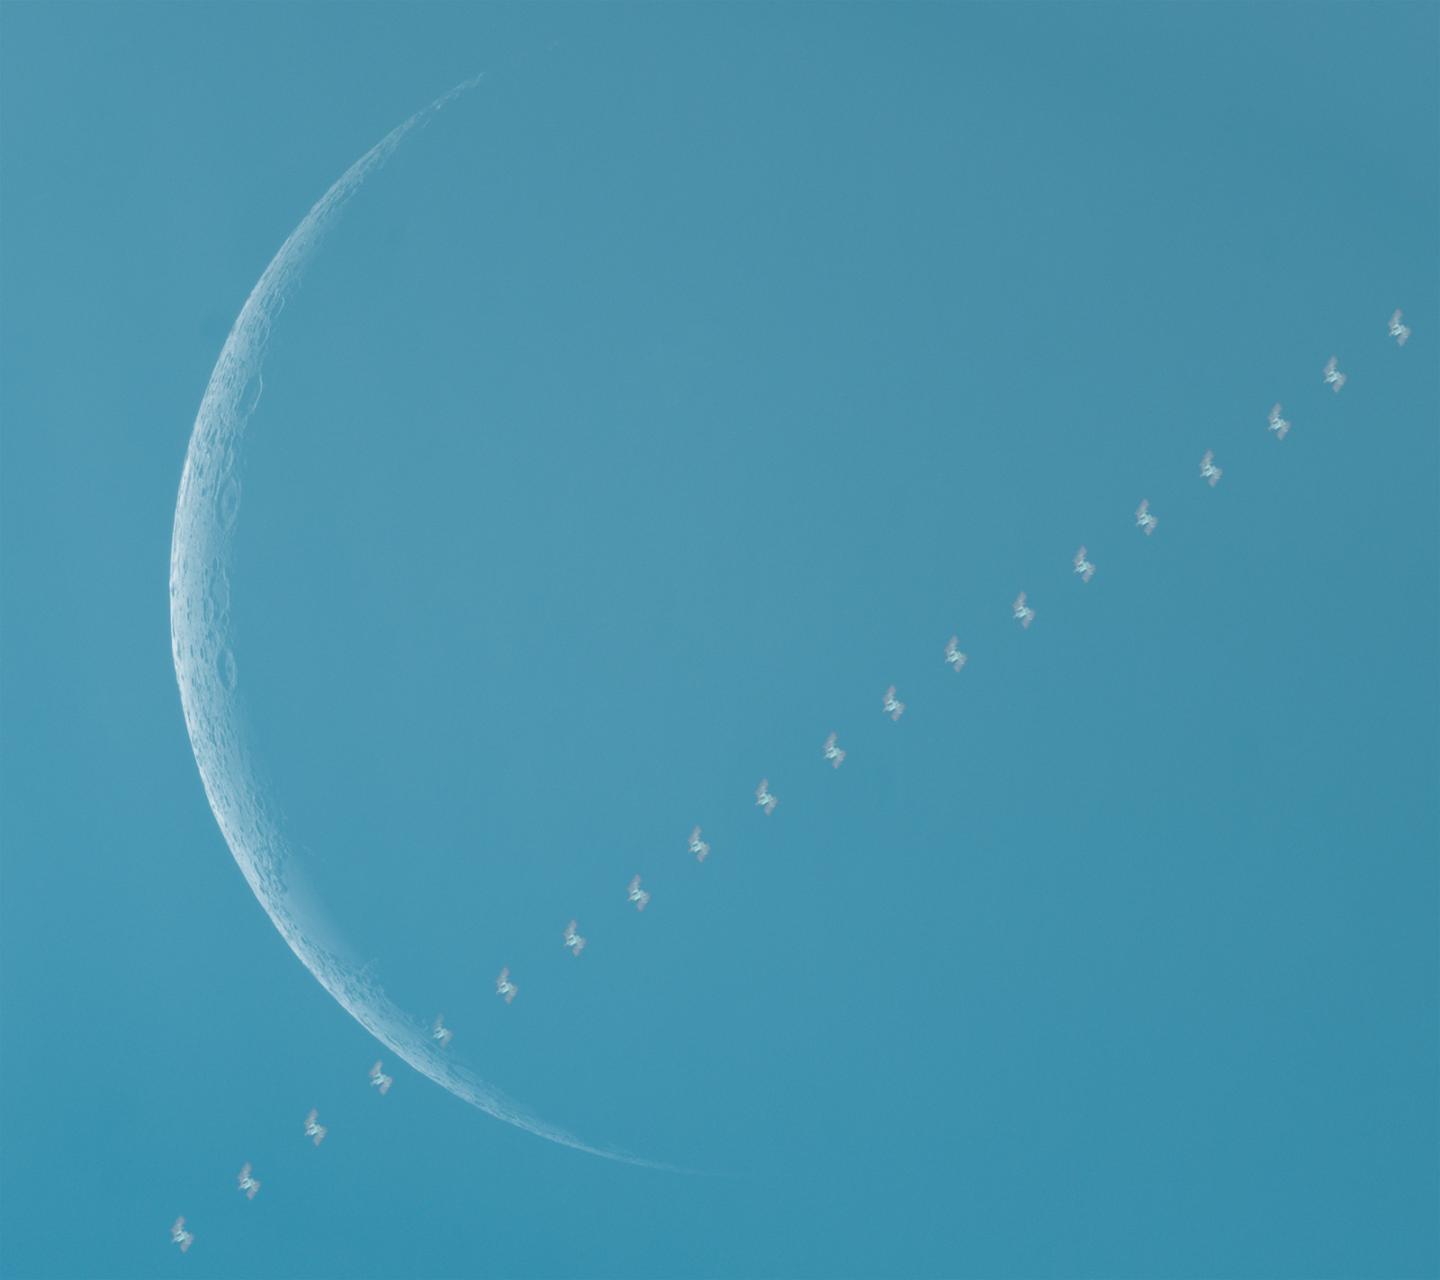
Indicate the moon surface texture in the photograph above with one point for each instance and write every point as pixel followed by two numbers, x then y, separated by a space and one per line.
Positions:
pixel 206 517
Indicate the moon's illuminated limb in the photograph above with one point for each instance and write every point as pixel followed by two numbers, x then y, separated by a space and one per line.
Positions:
pixel 205 518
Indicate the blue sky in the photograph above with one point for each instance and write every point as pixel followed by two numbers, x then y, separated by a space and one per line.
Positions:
pixel 655 408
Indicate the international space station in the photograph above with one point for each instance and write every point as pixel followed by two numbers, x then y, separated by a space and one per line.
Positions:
pixel 313 1128
pixel 504 987
pixel 637 895
pixel 893 706
pixel 573 940
pixel 763 798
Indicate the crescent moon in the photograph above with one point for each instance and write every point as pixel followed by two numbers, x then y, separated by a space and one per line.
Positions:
pixel 206 514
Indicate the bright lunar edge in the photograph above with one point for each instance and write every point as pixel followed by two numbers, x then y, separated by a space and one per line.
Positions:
pixel 206 516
